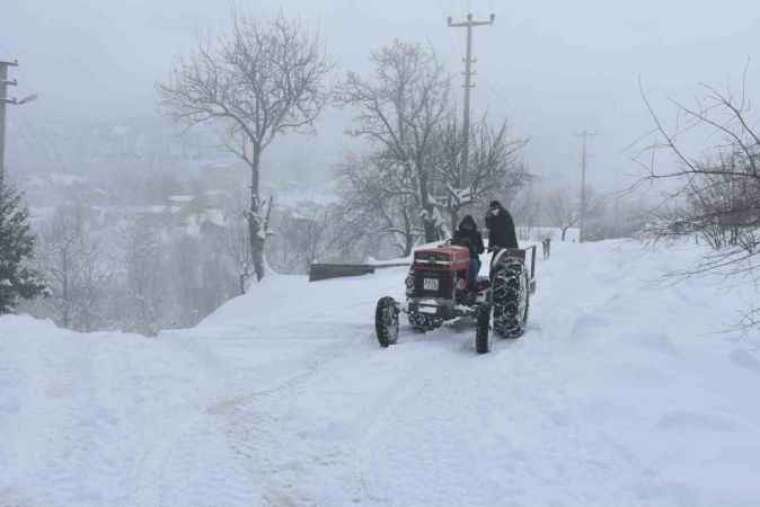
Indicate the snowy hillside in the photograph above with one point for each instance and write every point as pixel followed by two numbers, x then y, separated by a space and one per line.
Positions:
pixel 625 391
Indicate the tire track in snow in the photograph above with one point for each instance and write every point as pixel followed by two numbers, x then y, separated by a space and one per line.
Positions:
pixel 256 425
pixel 233 424
pixel 187 458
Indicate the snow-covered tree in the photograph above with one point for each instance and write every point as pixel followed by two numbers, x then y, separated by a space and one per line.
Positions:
pixel 413 184
pixel 263 79
pixel 18 280
pixel 563 211
pixel 712 177
pixel 398 109
pixel 237 246
pixel 713 190
pixel 302 236
pixel 376 202
pixel 73 262
pixel 494 167
pixel 145 287
pixel 564 208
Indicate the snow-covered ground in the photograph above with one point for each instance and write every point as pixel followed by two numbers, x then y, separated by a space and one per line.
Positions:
pixel 626 390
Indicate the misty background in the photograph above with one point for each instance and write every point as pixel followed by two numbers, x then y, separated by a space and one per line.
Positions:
pixel 96 135
pixel 553 67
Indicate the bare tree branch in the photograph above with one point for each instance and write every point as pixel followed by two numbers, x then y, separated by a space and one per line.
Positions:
pixel 263 79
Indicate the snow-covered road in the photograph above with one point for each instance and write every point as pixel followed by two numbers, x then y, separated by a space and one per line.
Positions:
pixel 623 392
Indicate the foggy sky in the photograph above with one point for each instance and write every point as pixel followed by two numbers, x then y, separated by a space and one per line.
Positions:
pixel 553 67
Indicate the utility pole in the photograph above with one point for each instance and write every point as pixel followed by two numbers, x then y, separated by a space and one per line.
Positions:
pixel 4 101
pixel 584 135
pixel 4 84
pixel 468 85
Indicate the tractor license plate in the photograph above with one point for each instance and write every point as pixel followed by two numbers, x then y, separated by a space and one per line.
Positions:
pixel 430 284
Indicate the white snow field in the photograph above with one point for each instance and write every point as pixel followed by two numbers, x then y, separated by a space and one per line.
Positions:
pixel 627 390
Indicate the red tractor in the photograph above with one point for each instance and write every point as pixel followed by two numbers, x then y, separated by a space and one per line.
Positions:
pixel 437 292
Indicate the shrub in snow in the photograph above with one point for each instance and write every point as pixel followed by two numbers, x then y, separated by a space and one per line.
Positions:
pixel 17 279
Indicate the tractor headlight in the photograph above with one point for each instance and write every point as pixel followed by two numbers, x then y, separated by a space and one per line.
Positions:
pixel 409 282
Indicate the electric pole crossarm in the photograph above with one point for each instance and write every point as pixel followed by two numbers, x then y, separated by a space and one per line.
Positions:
pixel 471 22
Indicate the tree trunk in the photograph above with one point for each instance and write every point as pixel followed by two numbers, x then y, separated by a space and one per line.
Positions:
pixel 454 214
pixel 564 231
pixel 256 231
pixel 408 235
pixel 65 288
pixel 256 223
pixel 431 231
pixel 428 218
pixel 408 245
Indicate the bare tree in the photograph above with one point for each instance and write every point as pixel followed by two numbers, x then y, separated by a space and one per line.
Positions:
pixel 237 246
pixel 724 209
pixel 76 267
pixel 526 209
pixel 302 236
pixel 713 180
pixel 376 202
pixel 145 289
pixel 621 215
pixel 263 79
pixel 313 233
pixel 494 167
pixel 713 175
pixel 563 211
pixel 58 245
pixel 398 111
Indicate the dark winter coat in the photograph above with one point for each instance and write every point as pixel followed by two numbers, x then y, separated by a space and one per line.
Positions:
pixel 467 234
pixel 501 228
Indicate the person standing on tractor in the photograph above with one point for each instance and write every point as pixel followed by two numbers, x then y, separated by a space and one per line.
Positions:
pixel 501 227
pixel 467 234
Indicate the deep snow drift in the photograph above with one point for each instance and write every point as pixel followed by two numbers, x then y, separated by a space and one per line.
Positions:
pixel 626 391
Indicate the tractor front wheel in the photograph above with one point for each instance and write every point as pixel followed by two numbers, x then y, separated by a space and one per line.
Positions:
pixel 386 321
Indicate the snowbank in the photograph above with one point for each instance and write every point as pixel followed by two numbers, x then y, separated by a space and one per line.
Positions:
pixel 627 390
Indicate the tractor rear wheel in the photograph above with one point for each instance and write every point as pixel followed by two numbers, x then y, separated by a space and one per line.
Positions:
pixel 386 321
pixel 511 299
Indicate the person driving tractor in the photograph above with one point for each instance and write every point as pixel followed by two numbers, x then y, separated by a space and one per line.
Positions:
pixel 501 228
pixel 467 234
